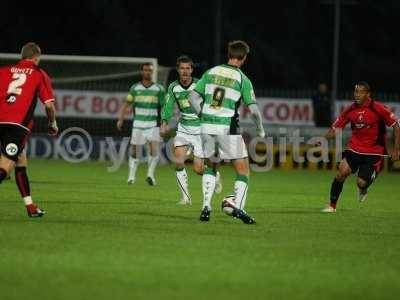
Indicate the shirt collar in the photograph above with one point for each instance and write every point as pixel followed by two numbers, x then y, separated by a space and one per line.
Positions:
pixel 231 66
pixel 147 86
pixel 185 87
pixel 367 103
pixel 26 63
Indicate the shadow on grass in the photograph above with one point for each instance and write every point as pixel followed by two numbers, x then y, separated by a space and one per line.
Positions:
pixel 47 182
pixel 83 222
pixel 220 218
pixel 125 201
pixel 151 214
pixel 78 202
pixel 300 211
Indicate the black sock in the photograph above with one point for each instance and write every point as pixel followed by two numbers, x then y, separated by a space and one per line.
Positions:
pixel 21 178
pixel 336 189
pixel 3 174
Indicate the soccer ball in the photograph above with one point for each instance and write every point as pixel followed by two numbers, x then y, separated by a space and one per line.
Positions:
pixel 228 204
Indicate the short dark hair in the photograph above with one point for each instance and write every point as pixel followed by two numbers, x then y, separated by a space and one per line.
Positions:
pixel 30 50
pixel 184 59
pixel 238 49
pixel 364 84
pixel 148 64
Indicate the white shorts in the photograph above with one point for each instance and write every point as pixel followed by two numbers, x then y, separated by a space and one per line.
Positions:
pixel 229 146
pixel 191 140
pixel 142 135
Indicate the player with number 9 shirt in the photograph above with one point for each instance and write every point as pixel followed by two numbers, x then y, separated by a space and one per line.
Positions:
pixel 217 98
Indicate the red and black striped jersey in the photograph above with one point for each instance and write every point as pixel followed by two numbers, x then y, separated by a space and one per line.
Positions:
pixel 20 87
pixel 368 125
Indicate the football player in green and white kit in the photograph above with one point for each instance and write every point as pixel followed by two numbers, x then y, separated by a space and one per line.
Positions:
pixel 147 99
pixel 217 98
pixel 188 131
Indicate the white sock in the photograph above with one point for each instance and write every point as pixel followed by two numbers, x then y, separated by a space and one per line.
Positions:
pixel 182 178
pixel 208 189
pixel 152 162
pixel 241 188
pixel 217 177
pixel 218 182
pixel 133 164
pixel 28 200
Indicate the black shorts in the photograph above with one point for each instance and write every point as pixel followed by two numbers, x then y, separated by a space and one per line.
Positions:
pixel 368 166
pixel 12 140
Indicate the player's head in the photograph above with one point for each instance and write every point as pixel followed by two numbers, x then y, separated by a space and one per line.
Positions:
pixel 184 66
pixel 31 51
pixel 322 88
pixel 361 92
pixel 238 50
pixel 146 71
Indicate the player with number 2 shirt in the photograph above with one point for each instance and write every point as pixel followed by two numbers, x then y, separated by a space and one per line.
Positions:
pixel 20 86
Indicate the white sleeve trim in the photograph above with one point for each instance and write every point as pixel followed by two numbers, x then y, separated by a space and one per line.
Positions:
pixel 49 100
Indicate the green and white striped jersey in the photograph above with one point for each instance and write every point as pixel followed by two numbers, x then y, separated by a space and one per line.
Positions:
pixel 189 122
pixel 223 88
pixel 147 103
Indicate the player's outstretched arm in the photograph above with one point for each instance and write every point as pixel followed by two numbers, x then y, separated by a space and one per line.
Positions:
pixel 46 96
pixel 51 116
pixel 256 116
pixel 330 134
pixel 195 101
pixel 122 114
pixel 341 122
pixel 396 145
pixel 390 120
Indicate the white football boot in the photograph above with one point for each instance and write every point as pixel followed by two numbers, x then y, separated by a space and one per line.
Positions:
pixel 328 209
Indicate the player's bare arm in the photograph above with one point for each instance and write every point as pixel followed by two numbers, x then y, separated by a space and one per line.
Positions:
pixel 330 134
pixel 164 128
pixel 51 116
pixel 124 111
pixel 396 145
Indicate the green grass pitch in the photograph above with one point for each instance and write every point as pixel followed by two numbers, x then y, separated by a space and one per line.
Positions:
pixel 103 239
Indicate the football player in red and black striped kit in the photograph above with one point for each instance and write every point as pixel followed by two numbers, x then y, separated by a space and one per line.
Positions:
pixel 367 147
pixel 20 86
